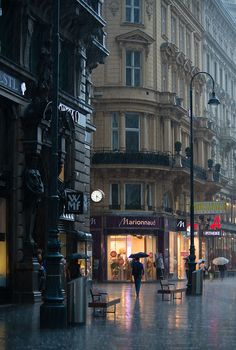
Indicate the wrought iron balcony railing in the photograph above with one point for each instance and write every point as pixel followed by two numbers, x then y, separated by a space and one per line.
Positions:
pixel 147 158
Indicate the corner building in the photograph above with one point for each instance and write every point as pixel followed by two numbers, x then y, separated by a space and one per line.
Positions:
pixel 25 134
pixel 141 101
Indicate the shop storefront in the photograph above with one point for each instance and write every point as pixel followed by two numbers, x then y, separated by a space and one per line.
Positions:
pixel 179 243
pixel 120 236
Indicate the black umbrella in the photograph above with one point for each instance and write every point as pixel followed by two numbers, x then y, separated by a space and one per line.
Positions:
pixel 138 255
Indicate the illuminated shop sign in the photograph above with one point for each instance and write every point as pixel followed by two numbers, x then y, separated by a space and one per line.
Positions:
pixel 209 207
pixel 132 222
pixel 212 233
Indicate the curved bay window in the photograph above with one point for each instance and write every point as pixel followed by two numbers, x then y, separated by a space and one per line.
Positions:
pixel 119 248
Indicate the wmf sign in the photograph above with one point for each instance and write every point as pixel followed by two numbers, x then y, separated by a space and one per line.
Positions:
pixel 74 202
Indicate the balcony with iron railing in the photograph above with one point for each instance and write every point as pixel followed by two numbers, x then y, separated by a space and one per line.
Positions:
pixel 159 159
pixel 140 158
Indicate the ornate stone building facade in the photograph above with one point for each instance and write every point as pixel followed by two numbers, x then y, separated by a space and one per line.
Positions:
pixel 141 100
pixel 25 132
pixel 219 53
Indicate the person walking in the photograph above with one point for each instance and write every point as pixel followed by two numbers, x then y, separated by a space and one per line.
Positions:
pixel 137 272
pixel 222 269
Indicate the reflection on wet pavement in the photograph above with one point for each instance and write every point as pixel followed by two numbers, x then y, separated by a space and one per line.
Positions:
pixel 197 322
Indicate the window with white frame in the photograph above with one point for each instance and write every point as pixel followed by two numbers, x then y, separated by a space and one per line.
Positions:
pixel 181 37
pixel 132 132
pixel 133 68
pixel 133 11
pixel 163 20
pixel 173 30
pixel 114 196
pixel 164 77
pixel 115 131
pixel 133 196
pixel 188 44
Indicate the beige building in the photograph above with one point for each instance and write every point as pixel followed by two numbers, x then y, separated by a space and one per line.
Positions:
pixel 141 100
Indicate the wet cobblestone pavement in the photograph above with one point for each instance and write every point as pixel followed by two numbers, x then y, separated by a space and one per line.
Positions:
pixel 196 322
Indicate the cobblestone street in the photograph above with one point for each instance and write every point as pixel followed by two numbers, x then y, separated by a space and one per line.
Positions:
pixel 196 322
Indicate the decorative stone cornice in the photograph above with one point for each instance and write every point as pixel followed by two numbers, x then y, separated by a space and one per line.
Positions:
pixel 136 37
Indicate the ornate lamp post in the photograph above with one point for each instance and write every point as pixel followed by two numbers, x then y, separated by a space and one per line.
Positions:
pixel 53 310
pixel 214 102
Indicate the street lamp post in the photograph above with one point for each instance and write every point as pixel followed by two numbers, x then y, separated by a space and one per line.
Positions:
pixel 215 102
pixel 53 310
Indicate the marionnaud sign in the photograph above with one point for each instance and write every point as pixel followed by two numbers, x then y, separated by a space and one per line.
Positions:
pixel 209 207
pixel 12 83
pixel 132 222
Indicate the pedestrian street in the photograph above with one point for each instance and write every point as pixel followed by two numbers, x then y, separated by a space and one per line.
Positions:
pixel 148 323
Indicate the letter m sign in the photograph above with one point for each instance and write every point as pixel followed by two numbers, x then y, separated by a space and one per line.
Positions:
pixel 180 225
pixel 74 202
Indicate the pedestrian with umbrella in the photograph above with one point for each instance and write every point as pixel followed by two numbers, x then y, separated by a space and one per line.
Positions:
pixel 221 263
pixel 137 270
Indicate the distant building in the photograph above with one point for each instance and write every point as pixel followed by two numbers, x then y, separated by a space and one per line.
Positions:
pixel 25 133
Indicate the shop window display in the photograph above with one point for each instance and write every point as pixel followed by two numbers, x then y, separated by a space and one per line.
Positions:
pixel 119 248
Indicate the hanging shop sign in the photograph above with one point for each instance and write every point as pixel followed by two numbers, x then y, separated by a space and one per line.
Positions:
pixel 74 202
pixel 12 83
pixel 181 225
pixel 209 207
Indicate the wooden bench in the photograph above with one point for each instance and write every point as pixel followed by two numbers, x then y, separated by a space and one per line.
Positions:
pixel 101 302
pixel 170 290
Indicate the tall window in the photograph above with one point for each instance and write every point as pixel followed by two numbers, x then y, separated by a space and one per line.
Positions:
pixel 163 20
pixel 226 82
pixel 215 72
pixel 181 38
pixel 221 77
pixel 196 53
pixel 114 196
pixel 132 132
pixel 208 62
pixel 10 30
pixel 115 131
pixel 133 196
pixel 133 11
pixel 66 67
pixel 173 30
pixel 232 88
pixel 174 81
pixel 133 68
pixel 35 48
pixel 188 44
pixel 164 80
pixel 149 196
